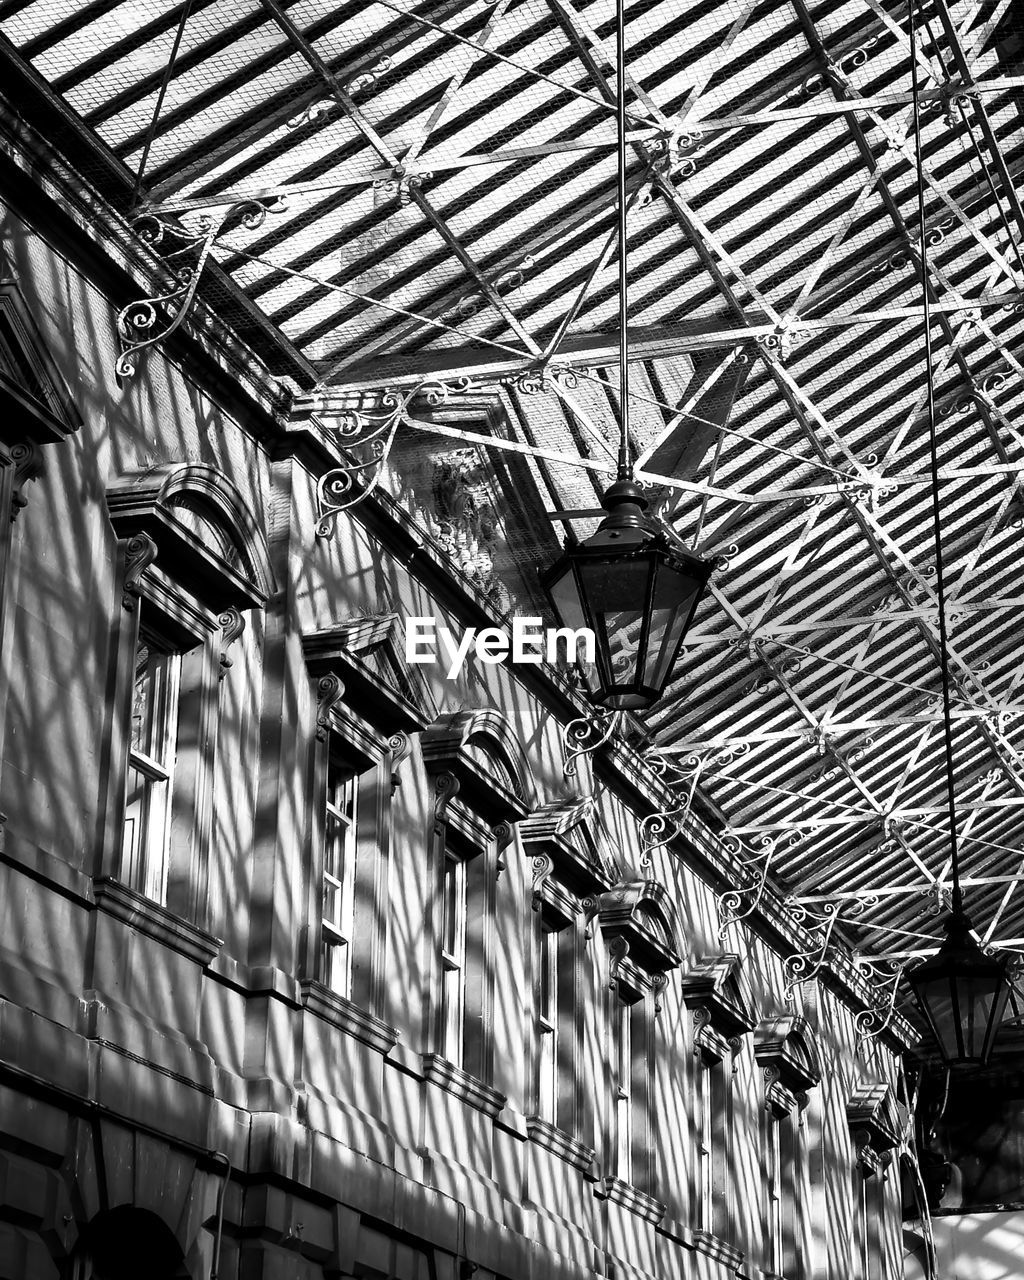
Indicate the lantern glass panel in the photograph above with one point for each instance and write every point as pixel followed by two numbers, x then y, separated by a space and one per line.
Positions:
pixel 571 611
pixel 616 591
pixel 675 594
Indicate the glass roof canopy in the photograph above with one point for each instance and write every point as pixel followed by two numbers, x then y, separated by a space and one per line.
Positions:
pixel 416 196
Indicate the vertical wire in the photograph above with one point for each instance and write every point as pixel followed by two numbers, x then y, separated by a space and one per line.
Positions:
pixel 158 106
pixel 625 469
pixel 940 579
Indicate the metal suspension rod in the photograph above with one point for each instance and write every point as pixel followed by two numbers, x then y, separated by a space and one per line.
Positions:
pixel 940 580
pixel 625 469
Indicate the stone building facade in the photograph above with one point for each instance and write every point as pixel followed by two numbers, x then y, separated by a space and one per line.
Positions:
pixel 314 963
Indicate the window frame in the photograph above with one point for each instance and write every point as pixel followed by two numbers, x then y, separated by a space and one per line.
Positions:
pixel 193 601
pixel 344 741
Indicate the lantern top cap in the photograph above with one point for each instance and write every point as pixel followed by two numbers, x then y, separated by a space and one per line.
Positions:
pixel 626 504
pixel 958 947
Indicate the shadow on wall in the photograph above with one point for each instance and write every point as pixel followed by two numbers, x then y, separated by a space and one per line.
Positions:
pixel 980 1246
pixel 127 1243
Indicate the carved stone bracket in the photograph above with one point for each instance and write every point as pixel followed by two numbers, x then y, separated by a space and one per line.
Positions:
pixel 140 552
pixel 446 788
pixel 232 625
pixel 28 464
pixel 329 692
pixel 399 744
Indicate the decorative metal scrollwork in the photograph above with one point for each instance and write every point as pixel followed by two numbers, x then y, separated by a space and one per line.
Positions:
pixel 184 253
pixel 324 108
pixel 820 923
pixel 368 434
pixel 505 283
pixel 883 979
pixel 737 904
pixel 533 382
pixel 587 734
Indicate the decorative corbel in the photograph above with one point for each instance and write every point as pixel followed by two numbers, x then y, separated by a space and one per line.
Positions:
pixel 542 869
pixel 399 744
pixel 446 788
pixel 329 692
pixel 140 552
pixel 503 836
pixel 618 951
pixel 28 463
pixel 591 907
pixel 659 981
pixel 232 624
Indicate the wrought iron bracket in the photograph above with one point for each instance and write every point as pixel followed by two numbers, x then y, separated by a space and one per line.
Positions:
pixel 183 252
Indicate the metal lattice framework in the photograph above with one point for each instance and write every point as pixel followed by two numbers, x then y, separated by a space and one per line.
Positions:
pixel 420 199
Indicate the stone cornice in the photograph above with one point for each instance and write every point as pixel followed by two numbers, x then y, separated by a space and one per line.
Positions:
pixel 154 921
pixel 460 1084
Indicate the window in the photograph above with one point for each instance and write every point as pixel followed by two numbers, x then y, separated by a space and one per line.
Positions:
pixel 546 1025
pixel 480 784
pixel 453 957
pixel 622 1086
pixel 339 861
pixel 786 1052
pixel 638 927
pixel 571 866
pixel 151 757
pixel 191 560
pixel 721 1022
pixel 357 735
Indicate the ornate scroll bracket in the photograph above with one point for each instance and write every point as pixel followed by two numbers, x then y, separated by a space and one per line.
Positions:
pixel 399 744
pixel 232 625
pixel 367 435
pixel 183 253
pixel 805 965
pixel 140 553
pixel 883 980
pixel 329 692
pixel 28 464
pixel 660 828
pixel 587 734
pixel 736 904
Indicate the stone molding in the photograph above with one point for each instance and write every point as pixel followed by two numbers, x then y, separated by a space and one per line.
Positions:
pixel 556 1140
pixel 148 917
pixel 460 1084
pixel 348 1017
pixel 631 1198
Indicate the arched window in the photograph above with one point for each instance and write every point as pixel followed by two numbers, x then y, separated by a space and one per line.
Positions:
pixel 482 786
pixel 721 1021
pixel 365 709
pixel 638 926
pixel 786 1051
pixel 571 866
pixel 193 564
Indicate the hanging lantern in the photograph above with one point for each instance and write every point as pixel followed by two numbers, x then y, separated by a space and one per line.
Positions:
pixel 962 993
pixel 636 589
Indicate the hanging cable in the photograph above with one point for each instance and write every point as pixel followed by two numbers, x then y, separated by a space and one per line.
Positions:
pixel 940 580
pixel 625 468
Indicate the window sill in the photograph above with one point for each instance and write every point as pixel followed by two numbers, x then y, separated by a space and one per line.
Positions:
pixel 462 1085
pixel 155 921
pixel 631 1198
pixel 705 1242
pixel 556 1140
pixel 348 1017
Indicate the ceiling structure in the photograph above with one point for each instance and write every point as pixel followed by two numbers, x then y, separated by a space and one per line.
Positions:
pixel 420 198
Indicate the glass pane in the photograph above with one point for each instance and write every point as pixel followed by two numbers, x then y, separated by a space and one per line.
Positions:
pixel 674 596
pixel 141 699
pixel 616 593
